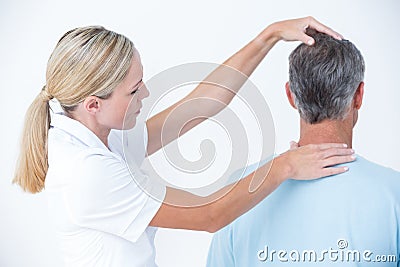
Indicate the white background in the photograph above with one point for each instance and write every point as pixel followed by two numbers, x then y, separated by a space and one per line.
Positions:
pixel 173 32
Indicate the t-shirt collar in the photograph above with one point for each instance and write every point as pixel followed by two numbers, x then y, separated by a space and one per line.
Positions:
pixel 76 129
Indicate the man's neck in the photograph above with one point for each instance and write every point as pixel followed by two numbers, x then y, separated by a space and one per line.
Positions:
pixel 326 132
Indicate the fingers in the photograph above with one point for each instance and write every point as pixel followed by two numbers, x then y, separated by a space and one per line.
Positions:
pixel 337 160
pixel 332 171
pixel 314 24
pixel 326 150
pixel 330 145
pixel 335 156
pixel 315 161
pixel 336 152
pixel 295 30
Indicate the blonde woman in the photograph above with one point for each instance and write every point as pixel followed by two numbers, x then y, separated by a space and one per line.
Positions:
pixel 101 213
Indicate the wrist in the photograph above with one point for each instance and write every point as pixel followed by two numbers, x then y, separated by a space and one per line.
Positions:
pixel 283 167
pixel 269 35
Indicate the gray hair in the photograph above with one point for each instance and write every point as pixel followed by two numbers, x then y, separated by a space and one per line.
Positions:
pixel 324 77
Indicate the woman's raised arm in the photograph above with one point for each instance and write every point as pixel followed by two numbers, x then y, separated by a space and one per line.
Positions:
pixel 218 88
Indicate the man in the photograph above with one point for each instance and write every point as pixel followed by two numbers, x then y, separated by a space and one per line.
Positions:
pixel 352 219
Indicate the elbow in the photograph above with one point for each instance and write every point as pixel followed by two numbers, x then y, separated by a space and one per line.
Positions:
pixel 211 228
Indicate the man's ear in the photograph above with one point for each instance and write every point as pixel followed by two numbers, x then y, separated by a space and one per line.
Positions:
pixel 290 95
pixel 91 104
pixel 358 96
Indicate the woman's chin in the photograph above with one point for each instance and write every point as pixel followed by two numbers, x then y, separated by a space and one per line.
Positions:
pixel 129 124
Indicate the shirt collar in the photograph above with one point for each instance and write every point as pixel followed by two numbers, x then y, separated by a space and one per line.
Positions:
pixel 76 130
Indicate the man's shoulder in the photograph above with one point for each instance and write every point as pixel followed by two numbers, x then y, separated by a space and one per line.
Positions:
pixel 364 181
pixel 374 171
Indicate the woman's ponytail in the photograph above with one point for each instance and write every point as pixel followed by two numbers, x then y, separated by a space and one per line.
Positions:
pixel 32 164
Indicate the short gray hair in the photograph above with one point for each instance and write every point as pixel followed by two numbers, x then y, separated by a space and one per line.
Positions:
pixel 324 77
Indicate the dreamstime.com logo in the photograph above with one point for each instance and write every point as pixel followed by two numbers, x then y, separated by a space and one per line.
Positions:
pixel 341 254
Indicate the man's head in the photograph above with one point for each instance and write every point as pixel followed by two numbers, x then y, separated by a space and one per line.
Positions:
pixel 325 79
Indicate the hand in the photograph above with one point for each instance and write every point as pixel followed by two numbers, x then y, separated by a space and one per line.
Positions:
pixel 294 30
pixel 314 161
pixel 293 145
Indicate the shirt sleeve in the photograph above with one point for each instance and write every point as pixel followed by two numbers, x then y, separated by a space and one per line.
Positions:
pixel 221 249
pixel 112 198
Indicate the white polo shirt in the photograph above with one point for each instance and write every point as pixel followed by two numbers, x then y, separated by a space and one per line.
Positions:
pixel 99 200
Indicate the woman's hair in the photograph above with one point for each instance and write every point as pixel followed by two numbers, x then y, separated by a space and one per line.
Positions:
pixel 324 77
pixel 86 61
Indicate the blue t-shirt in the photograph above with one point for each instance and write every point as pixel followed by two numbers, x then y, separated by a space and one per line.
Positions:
pixel 351 219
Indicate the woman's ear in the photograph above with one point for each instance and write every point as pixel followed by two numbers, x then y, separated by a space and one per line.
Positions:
pixel 290 95
pixel 91 104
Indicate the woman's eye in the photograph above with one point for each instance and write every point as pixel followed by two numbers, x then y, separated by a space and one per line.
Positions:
pixel 137 86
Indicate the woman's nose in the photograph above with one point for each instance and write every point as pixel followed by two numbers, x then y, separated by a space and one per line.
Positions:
pixel 144 92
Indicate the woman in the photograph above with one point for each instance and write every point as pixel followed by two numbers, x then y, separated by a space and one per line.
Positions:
pixel 96 198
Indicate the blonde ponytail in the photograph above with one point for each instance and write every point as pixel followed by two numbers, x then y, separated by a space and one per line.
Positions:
pixel 32 163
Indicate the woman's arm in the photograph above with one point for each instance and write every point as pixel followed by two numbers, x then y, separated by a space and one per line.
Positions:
pixel 183 210
pixel 218 89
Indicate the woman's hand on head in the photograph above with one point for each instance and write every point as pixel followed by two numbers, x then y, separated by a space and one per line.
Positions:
pixel 295 30
pixel 316 161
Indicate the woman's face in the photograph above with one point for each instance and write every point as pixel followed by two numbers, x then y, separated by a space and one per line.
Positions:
pixel 123 106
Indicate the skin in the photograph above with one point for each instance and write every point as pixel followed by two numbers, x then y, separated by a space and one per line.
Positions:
pixel 217 210
pixel 124 103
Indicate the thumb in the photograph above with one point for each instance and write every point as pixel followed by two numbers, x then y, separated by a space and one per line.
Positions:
pixel 303 37
pixel 308 40
pixel 293 145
